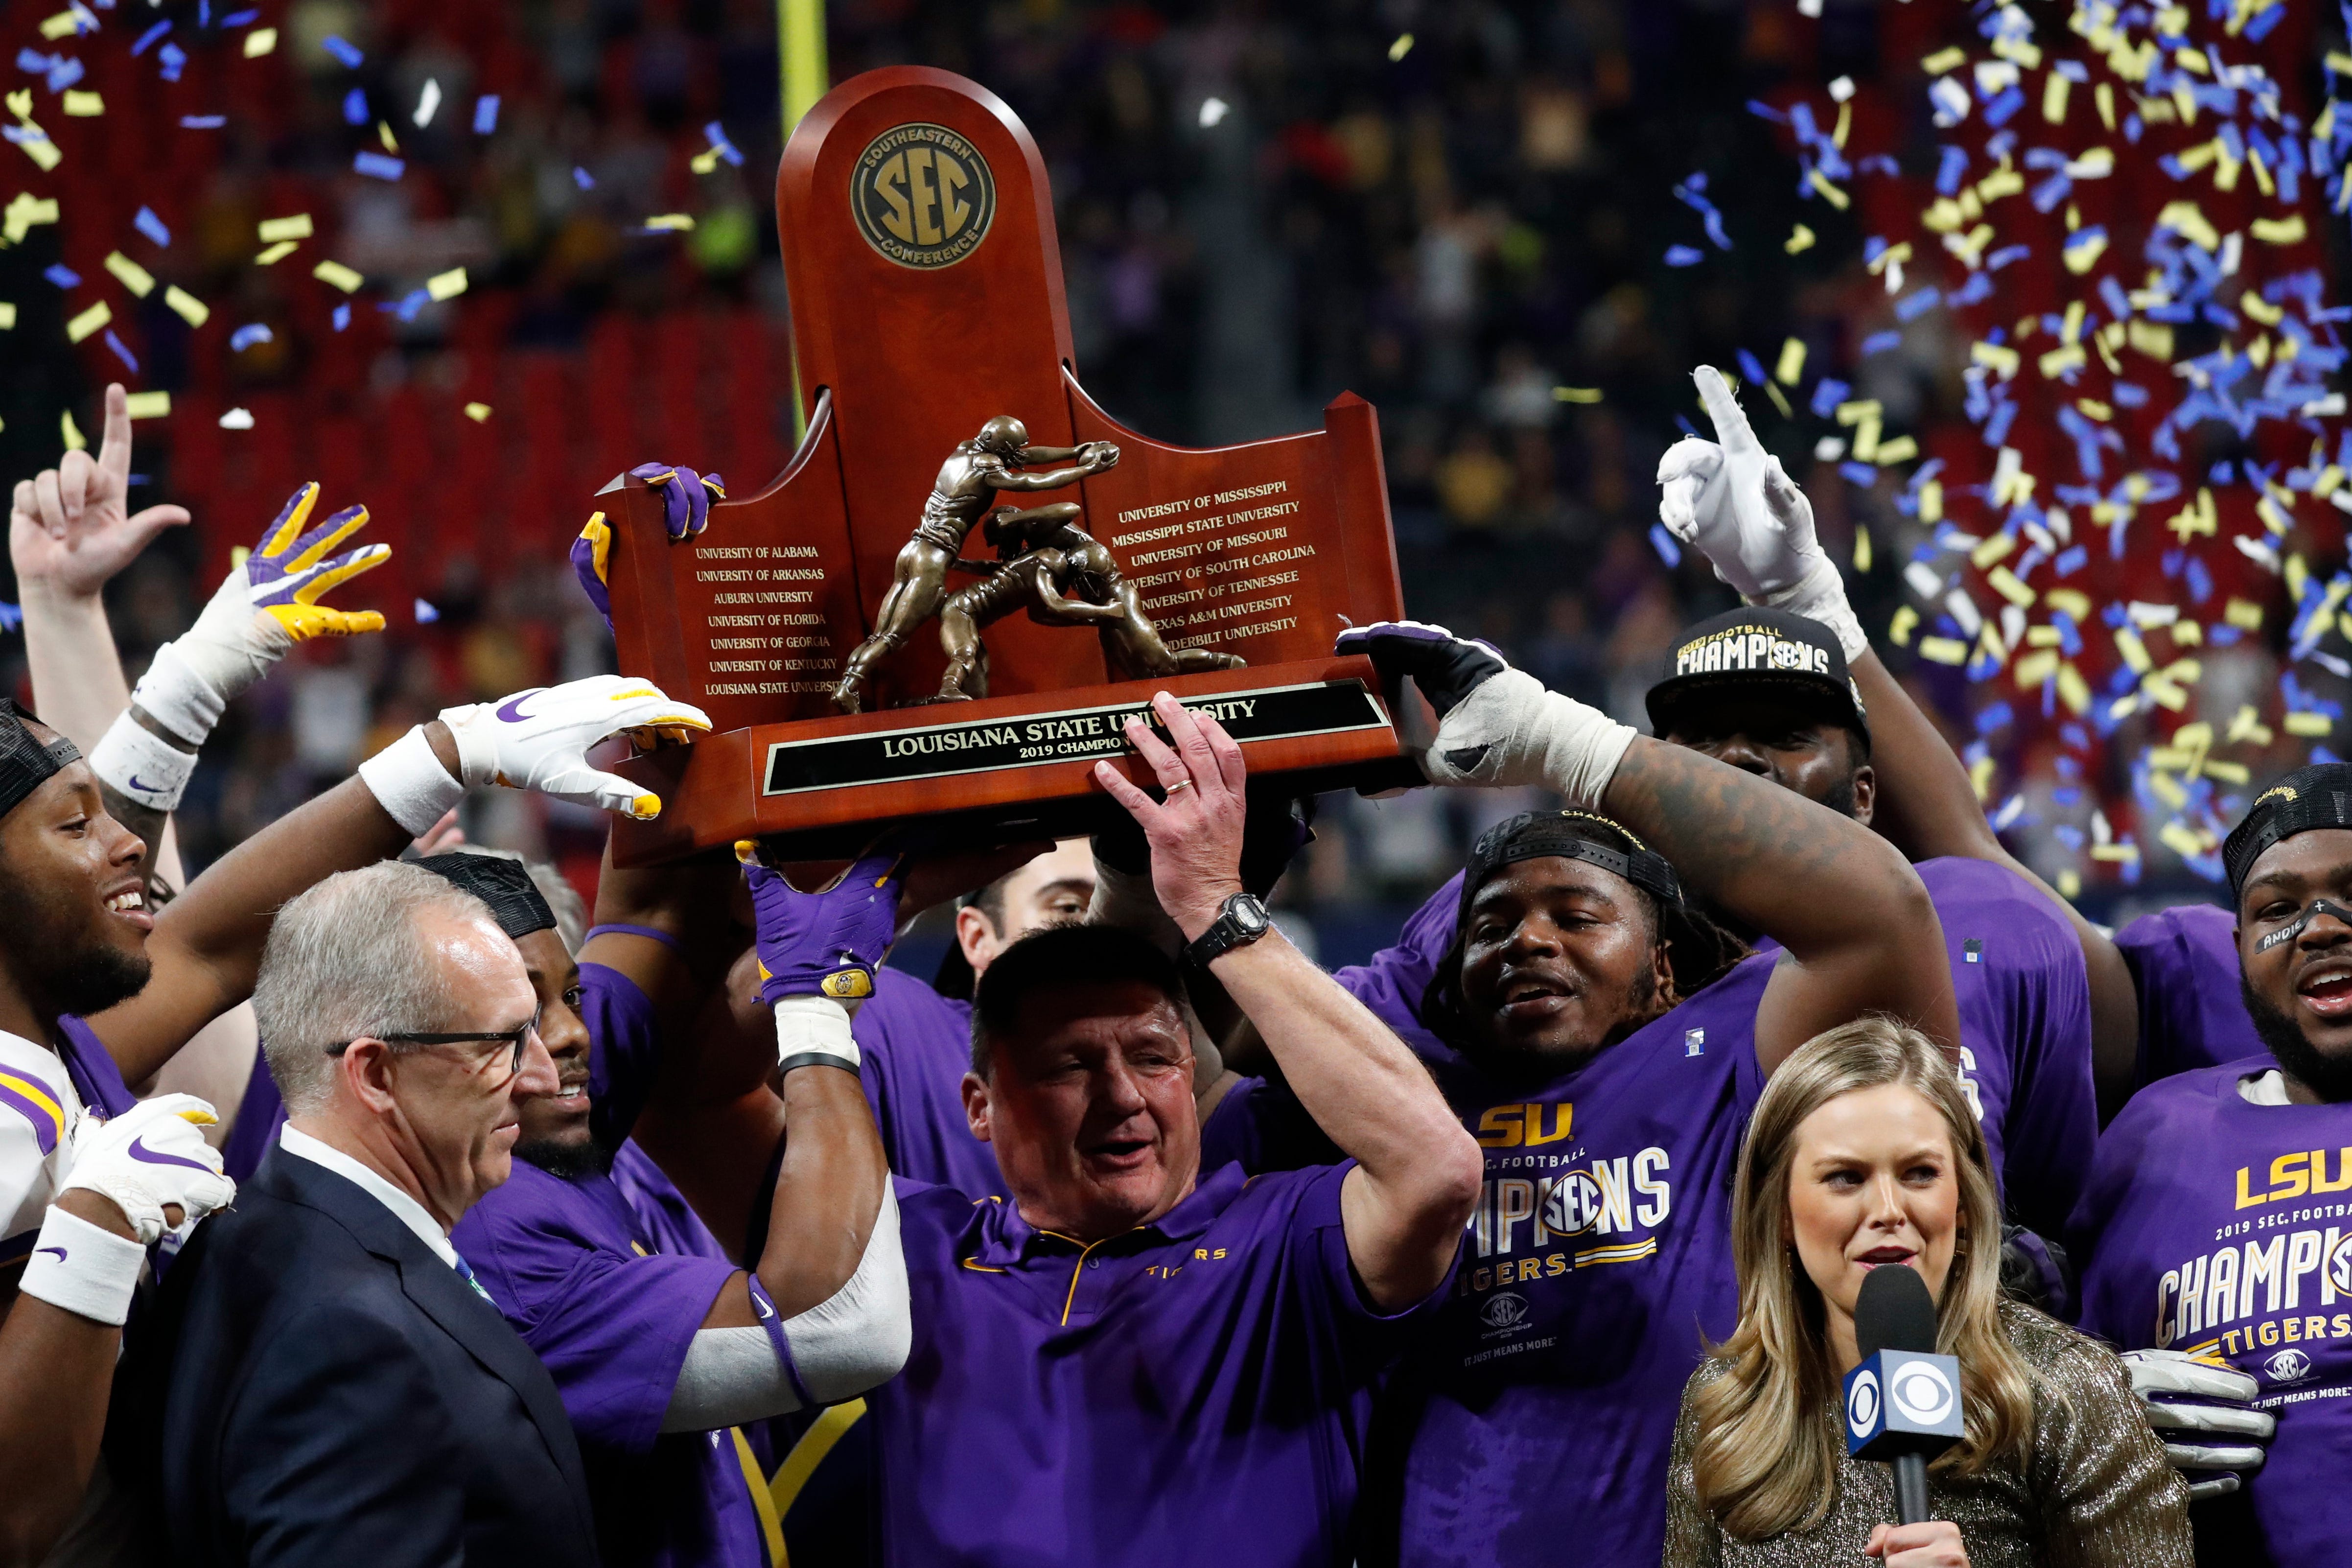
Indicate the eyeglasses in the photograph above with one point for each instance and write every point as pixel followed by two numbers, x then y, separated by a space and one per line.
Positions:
pixel 515 1039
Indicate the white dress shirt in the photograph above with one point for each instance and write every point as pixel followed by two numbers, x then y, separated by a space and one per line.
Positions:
pixel 404 1208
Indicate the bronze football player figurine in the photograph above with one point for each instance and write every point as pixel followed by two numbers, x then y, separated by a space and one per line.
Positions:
pixel 1066 578
pixel 966 489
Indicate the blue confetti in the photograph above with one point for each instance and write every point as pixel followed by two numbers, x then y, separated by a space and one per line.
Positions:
pixel 1911 307
pixel 244 337
pixel 376 166
pixel 716 136
pixel 426 613
pixel 240 18
pixel 350 56
pixel 342 316
pixel 486 119
pixel 1766 112
pixel 1995 716
pixel 1879 342
pixel 202 121
pixel 2069 561
pixel 145 38
pixel 1862 474
pixel 120 352
pixel 11 616
pixel 172 61
pixel 1684 256
pixel 356 108
pixel 1828 393
pixel 1955 164
pixel 62 276
pixel 1663 543
pixel 1751 367
pixel 148 223
pixel 581 178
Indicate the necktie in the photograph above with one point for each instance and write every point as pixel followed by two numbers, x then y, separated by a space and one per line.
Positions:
pixel 465 1272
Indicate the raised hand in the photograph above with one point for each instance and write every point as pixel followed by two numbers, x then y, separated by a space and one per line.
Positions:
pixel 539 740
pixel 70 529
pixel 686 496
pixel 826 943
pixel 1734 504
pixel 1195 830
pixel 2204 1415
pixel 151 1159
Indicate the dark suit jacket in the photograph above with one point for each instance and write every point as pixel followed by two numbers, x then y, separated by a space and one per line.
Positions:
pixel 316 1387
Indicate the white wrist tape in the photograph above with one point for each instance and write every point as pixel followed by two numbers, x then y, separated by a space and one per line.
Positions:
pixel 1820 595
pixel 409 782
pixel 140 765
pixel 178 694
pixel 477 746
pixel 813 1031
pixel 84 1269
pixel 1510 730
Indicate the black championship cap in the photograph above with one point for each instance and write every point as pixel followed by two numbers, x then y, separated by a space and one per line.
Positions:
pixel 1568 836
pixel 1752 650
pixel 25 763
pixel 505 885
pixel 2318 796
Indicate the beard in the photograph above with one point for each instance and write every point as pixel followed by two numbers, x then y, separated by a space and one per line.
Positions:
pixel 81 980
pixel 1840 798
pixel 2330 1078
pixel 565 1160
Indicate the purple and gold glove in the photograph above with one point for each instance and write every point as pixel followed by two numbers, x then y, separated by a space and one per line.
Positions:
pixel 686 512
pixel 819 951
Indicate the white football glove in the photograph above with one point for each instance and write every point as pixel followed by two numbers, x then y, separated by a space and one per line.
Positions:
pixel 1497 725
pixel 150 1156
pixel 2204 1415
pixel 1735 505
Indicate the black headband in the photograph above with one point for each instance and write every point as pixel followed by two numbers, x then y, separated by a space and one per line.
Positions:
pixel 505 885
pixel 1566 836
pixel 25 764
pixel 2313 797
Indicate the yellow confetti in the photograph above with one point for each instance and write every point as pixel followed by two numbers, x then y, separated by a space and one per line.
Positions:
pixel 1772 391
pixel 295 226
pixel 1860 411
pixel 383 134
pixel 2279 230
pixel 2053 99
pixel 38 146
pixel 1402 48
pixel 1943 60
pixel 2153 338
pixel 71 433
pixel 2035 667
pixel 1931 502
pixel 2059 361
pixel 1980 778
pixel 1899 629
pixel 277 253
pixel 260 42
pixel 1831 193
pixel 1902 449
pixel 1792 361
pixel 446 285
pixel 1944 650
pixel 1800 240
pixel 2073 689
pixel 2190 222
pixel 133 276
pixel 704 162
pixel 186 306
pixel 2307 725
pixel 1998 547
pixel 148 405
pixel 1577 394
pixel 2072 602
pixel 84 105
pixel 1861 548
pixel 2070 883
pixel 477 412
pixel 2007 583
pixel 2104 97
pixel 2248 726
pixel 64 24
pixel 8 316
pixel 670 221
pixel 1866 442
pixel 2134 651
pixel 23 212
pixel 88 321
pixel 336 273
pixel 2002 362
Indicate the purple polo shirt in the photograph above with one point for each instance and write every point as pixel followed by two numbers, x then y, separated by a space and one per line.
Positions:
pixel 623 1053
pixel 2184 964
pixel 1195 1391
pixel 91 1067
pixel 2220 1227
pixel 915 1046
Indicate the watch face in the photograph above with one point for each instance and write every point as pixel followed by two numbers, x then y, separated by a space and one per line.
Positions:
pixel 1247 913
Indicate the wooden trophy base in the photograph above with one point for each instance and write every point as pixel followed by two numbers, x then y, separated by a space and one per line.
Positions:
pixel 1002 769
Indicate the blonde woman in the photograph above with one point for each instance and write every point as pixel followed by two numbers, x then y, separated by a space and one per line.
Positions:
pixel 1863 1154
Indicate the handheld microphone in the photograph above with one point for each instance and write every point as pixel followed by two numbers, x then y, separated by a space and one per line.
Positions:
pixel 1902 1400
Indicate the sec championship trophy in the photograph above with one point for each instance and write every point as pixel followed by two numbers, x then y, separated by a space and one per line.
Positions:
pixel 969 575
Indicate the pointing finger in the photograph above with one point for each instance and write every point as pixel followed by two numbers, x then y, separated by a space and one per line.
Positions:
pixel 1731 426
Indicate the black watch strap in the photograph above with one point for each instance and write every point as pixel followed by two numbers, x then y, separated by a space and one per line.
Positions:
pixel 1239 921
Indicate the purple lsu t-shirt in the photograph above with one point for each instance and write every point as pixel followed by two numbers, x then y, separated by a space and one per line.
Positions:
pixel 2184 964
pixel 623 1053
pixel 1194 1391
pixel 579 1276
pixel 2220 1227
pixel 915 1045
pixel 91 1068
pixel 2025 1021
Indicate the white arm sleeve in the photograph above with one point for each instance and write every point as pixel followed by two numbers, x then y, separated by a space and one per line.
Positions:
pixel 854 1339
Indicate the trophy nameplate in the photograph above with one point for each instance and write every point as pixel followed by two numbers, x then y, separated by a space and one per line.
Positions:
pixel 1004 571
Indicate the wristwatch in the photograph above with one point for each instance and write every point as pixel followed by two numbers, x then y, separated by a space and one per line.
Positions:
pixel 1239 921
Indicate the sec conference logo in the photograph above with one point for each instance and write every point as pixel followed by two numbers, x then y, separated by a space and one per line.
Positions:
pixel 1862 1403
pixel 922 195
pixel 2287 1366
pixel 1508 1311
